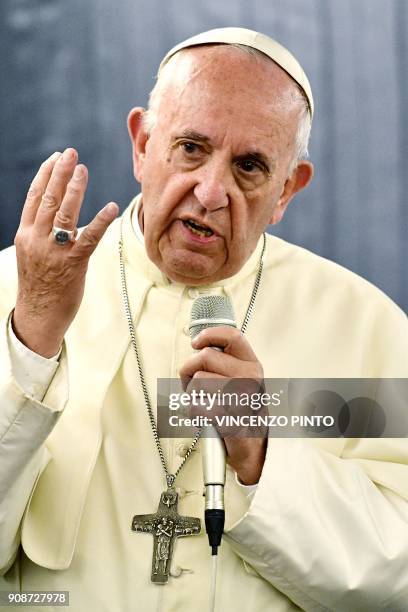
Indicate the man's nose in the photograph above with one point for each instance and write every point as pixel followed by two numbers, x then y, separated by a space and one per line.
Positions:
pixel 212 190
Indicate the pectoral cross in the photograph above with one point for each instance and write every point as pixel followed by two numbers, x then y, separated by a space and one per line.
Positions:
pixel 165 526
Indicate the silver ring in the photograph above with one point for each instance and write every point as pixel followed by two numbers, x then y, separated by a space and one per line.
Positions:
pixel 63 236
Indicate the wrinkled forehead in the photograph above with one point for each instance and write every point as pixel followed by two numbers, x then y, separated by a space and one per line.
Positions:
pixel 223 71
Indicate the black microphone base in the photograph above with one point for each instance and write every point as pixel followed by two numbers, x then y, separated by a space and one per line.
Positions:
pixel 214 525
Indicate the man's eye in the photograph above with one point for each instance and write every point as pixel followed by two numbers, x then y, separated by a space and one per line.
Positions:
pixel 189 147
pixel 248 165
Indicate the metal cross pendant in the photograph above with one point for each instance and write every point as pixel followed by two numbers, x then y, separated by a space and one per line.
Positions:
pixel 165 526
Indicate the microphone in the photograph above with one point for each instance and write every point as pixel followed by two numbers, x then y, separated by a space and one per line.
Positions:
pixel 212 311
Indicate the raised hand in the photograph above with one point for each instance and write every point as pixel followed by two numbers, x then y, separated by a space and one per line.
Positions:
pixel 51 276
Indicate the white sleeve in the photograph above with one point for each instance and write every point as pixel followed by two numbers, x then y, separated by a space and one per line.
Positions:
pixel 321 529
pixel 28 414
pixel 32 372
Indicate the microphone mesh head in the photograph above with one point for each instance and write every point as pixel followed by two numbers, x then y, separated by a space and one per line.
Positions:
pixel 211 307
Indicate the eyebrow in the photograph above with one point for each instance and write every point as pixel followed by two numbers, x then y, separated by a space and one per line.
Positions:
pixel 194 135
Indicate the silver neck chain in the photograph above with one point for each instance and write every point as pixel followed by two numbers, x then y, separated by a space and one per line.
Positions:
pixel 170 478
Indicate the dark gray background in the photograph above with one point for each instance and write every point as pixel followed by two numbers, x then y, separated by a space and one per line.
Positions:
pixel 70 71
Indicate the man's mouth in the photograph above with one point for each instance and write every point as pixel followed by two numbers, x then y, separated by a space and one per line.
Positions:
pixel 199 230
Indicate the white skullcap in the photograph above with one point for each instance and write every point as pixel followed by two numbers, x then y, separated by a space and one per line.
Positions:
pixel 256 40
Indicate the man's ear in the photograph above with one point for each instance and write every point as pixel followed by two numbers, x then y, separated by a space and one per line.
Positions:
pixel 298 180
pixel 138 138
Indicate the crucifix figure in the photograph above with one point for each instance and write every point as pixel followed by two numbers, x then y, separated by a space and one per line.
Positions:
pixel 165 526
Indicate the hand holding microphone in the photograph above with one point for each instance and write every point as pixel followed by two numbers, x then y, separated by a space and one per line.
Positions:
pixel 234 359
pixel 212 311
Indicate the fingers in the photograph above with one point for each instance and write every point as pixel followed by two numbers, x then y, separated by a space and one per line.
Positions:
pixel 215 362
pixel 92 234
pixel 230 339
pixel 189 384
pixel 237 360
pixel 55 199
pixel 55 191
pixel 37 189
pixel 68 213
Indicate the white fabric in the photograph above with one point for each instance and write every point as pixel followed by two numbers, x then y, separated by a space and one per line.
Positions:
pixel 27 418
pixel 135 222
pixel 32 372
pixel 327 528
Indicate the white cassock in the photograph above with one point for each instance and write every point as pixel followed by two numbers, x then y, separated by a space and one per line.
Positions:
pixel 327 527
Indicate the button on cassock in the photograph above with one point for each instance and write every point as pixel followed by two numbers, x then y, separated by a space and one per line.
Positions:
pixel 182 449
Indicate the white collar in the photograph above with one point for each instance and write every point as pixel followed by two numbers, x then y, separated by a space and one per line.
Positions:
pixel 135 220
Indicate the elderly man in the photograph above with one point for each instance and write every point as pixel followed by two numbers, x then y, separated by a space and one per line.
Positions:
pixel 91 321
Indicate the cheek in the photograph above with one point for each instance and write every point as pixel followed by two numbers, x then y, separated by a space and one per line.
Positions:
pixel 251 219
pixel 246 217
pixel 163 198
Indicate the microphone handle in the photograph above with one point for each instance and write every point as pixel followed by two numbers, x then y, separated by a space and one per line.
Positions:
pixel 211 311
pixel 214 459
pixel 214 469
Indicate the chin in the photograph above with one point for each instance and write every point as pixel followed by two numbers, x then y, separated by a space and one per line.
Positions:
pixel 189 268
pixel 189 272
